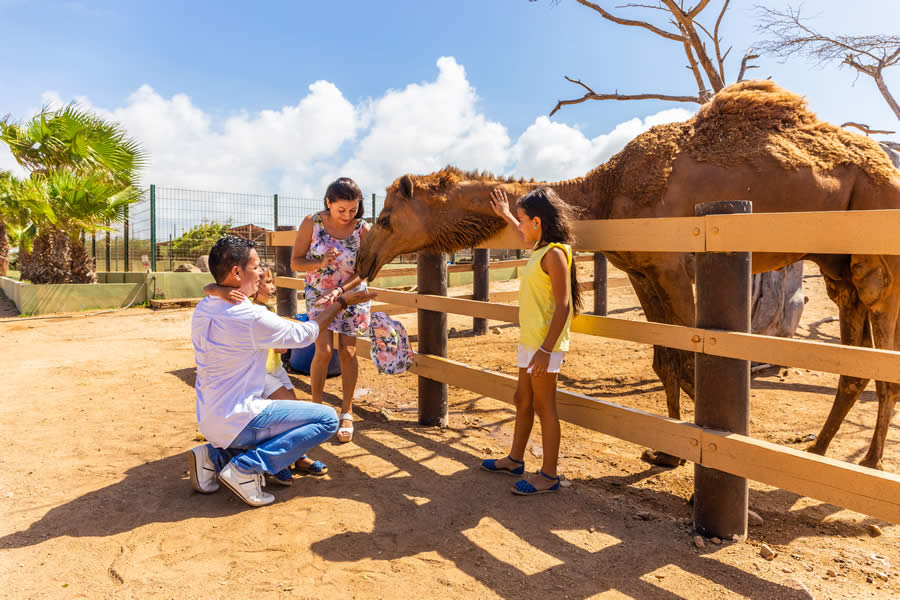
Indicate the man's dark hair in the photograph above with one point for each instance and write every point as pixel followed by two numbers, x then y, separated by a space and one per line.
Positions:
pixel 228 252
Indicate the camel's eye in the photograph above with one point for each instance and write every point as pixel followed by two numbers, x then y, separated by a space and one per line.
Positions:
pixel 385 222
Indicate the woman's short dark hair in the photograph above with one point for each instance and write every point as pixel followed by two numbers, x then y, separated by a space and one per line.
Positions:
pixel 345 189
pixel 228 252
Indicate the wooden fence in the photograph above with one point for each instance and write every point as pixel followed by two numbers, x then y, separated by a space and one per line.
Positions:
pixel 836 482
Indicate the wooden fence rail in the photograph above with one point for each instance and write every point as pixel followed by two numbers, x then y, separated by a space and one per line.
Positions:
pixel 857 488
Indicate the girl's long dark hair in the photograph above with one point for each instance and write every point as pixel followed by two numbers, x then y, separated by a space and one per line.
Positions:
pixel 556 222
pixel 345 189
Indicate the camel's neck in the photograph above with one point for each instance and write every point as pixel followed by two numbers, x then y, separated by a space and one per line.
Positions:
pixel 585 193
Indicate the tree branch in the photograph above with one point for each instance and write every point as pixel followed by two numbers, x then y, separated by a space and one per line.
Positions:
pixel 744 66
pixel 864 128
pixel 687 25
pixel 606 15
pixel 591 95
pixel 719 56
pixel 692 13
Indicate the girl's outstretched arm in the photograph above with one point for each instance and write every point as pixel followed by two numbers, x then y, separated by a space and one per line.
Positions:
pixel 500 206
pixel 555 263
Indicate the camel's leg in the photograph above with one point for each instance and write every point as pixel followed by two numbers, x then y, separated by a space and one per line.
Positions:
pixel 875 278
pixel 666 296
pixel 854 332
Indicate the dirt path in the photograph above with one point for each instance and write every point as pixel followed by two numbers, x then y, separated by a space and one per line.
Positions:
pixel 99 411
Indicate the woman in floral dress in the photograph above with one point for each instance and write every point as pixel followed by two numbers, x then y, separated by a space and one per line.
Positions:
pixel 326 248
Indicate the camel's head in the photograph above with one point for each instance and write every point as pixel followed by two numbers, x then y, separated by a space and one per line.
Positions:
pixel 442 212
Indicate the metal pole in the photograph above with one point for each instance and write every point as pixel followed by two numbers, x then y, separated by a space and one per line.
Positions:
pixel 275 213
pixel 94 248
pixel 127 265
pixel 722 385
pixel 481 282
pixel 117 253
pixel 171 251
pixel 108 240
pixel 600 284
pixel 152 227
pixel 285 298
pixel 432 279
pixel 374 214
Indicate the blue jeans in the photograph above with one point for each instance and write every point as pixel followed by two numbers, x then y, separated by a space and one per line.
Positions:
pixel 277 437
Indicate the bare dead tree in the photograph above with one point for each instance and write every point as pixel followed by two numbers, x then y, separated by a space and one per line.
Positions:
pixel 788 34
pixel 681 26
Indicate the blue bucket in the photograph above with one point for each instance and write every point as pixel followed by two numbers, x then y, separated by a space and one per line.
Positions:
pixel 301 358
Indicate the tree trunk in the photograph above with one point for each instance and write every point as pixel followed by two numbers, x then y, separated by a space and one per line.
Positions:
pixel 883 88
pixel 4 250
pixel 50 260
pixel 777 301
pixel 82 264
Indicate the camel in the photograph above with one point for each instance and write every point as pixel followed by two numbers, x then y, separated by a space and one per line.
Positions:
pixel 753 141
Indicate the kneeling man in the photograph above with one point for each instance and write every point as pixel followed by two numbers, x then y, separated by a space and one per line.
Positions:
pixel 250 435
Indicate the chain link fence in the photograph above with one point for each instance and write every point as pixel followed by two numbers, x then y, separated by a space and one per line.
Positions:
pixel 168 228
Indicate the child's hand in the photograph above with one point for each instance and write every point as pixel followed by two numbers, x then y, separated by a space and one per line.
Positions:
pixel 539 363
pixel 359 296
pixel 330 255
pixel 330 297
pixel 235 296
pixel 500 204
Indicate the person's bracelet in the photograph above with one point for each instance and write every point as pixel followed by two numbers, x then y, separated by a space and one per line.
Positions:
pixel 342 302
pixel 541 348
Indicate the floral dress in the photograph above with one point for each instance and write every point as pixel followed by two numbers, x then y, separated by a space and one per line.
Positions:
pixel 354 319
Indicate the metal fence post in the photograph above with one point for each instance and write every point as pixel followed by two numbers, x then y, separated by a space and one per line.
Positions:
pixel 481 281
pixel 153 227
pixel 127 263
pixel 275 214
pixel 722 385
pixel 432 279
pixel 94 248
pixel 374 214
pixel 600 278
pixel 108 240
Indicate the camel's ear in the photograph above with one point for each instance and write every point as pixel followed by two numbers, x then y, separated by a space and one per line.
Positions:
pixel 406 186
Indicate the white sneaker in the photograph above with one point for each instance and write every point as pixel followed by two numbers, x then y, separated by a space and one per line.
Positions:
pixel 247 487
pixel 202 470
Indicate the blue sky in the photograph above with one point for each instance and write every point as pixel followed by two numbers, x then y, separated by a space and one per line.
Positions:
pixel 285 96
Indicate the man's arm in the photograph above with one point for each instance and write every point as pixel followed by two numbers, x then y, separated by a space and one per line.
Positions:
pixel 271 331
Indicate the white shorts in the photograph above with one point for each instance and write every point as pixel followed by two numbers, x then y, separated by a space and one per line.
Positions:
pixel 275 381
pixel 523 358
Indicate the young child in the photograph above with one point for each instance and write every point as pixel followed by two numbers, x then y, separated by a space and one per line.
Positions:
pixel 548 298
pixel 278 385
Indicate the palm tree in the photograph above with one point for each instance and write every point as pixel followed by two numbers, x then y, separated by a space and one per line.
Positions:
pixel 84 172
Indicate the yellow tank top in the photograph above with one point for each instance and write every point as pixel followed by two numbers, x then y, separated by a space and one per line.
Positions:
pixel 273 361
pixel 536 304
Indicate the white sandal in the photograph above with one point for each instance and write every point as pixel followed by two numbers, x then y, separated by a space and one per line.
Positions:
pixel 348 431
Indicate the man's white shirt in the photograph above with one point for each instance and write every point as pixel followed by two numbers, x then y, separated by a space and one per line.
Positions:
pixel 231 342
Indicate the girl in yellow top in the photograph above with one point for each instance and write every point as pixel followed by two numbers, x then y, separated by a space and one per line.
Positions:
pixel 548 297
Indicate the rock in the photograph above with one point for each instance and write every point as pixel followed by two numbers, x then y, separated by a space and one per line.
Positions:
pixel 488 451
pixel 875 531
pixel 387 414
pixel 754 519
pixel 186 268
pixel 698 541
pixel 496 330
pixel 796 556
pixel 881 575
pixel 564 482
pixel 202 263
pixel 869 579
pixel 643 516
pixel 715 540
pixel 452 332
pixel 831 573
pixel 803 589
pixel 592 529
pixel 766 552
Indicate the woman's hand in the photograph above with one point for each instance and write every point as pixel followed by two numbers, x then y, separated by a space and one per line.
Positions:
pixel 330 297
pixel 235 296
pixel 500 204
pixel 330 256
pixel 539 363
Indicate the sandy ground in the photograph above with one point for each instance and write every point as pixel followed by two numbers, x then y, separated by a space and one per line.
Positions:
pixel 98 412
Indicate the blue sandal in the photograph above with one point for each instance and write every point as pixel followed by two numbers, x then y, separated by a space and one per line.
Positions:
pixel 490 464
pixel 316 469
pixel 524 488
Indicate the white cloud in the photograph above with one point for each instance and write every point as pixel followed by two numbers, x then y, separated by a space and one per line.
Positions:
pixel 296 150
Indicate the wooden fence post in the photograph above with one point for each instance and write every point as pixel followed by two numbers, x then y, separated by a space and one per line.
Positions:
pixel 285 298
pixel 432 279
pixel 600 284
pixel 481 284
pixel 722 385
